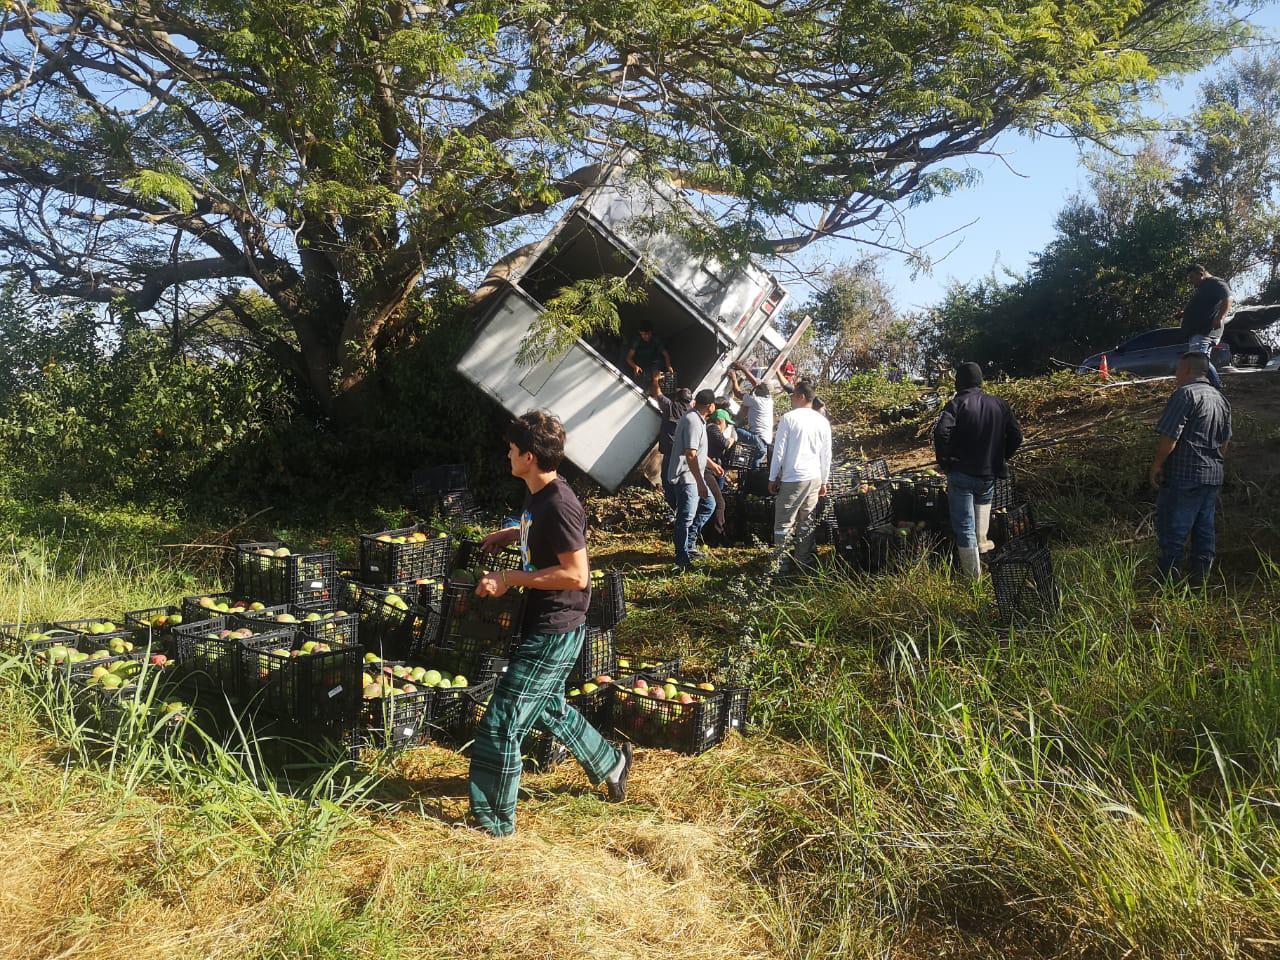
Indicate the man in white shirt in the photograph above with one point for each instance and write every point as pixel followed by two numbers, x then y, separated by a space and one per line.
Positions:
pixel 757 405
pixel 800 469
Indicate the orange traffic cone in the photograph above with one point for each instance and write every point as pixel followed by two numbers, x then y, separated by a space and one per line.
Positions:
pixel 1104 371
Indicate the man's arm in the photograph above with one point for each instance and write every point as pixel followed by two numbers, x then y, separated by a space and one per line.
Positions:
pixel 667 357
pixel 572 573
pixel 755 381
pixel 631 360
pixel 942 435
pixel 825 455
pixel 499 539
pixel 1220 313
pixel 691 458
pixel 1163 449
pixel 1012 433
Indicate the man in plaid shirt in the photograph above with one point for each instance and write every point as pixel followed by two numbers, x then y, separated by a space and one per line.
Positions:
pixel 1187 470
pixel 557 582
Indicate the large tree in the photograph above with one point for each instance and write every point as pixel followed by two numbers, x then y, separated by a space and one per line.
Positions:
pixel 344 157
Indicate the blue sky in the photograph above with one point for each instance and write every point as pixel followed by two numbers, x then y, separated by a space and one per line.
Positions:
pixel 1008 215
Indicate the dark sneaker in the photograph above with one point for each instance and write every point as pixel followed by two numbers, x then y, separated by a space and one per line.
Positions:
pixel 618 789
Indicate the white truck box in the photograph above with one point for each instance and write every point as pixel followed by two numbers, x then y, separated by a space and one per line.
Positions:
pixel 707 314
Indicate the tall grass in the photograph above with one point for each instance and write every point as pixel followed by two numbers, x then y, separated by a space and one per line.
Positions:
pixel 1108 780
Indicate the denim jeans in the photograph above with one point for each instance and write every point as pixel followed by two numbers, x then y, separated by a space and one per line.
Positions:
pixel 692 513
pixel 1186 508
pixel 963 491
pixel 1205 345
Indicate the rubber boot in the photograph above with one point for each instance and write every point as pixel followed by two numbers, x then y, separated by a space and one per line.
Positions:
pixel 970 565
pixel 982 519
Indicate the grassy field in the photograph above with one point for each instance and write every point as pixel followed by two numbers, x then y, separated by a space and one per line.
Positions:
pixel 920 782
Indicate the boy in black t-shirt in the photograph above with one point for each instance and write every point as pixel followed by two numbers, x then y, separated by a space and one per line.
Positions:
pixel 556 579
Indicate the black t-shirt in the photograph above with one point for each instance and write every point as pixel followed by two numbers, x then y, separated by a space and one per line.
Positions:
pixel 553 522
pixel 1197 318
pixel 716 443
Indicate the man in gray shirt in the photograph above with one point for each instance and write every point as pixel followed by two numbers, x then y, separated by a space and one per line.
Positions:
pixel 1187 469
pixel 687 473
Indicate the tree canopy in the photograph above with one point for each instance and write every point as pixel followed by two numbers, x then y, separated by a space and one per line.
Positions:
pixel 1210 194
pixel 343 158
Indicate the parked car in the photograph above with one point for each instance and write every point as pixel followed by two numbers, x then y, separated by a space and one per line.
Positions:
pixel 1156 352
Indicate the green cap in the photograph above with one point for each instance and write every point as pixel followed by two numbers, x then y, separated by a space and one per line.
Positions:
pixel 723 415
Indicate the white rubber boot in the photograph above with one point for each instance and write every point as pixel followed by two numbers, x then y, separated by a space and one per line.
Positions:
pixel 970 565
pixel 982 519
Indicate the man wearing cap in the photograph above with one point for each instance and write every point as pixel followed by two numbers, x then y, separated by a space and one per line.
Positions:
pixel 973 440
pixel 688 473
pixel 671 410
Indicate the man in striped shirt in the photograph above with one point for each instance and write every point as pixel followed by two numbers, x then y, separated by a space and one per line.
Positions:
pixel 1187 470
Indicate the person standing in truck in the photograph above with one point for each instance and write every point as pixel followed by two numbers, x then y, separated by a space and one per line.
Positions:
pixel 1205 316
pixel 757 405
pixel 557 582
pixel 648 353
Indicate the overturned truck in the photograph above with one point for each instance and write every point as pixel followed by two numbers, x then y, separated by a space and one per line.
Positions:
pixel 709 315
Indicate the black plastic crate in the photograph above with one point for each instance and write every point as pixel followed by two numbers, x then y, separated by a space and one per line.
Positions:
pixel 871 471
pixel 385 560
pixel 394 717
pixel 205 606
pixel 690 728
pixel 475 667
pixel 305 579
pixel 320 687
pixel 1002 494
pixel 456 710
pixel 349 586
pixel 153 626
pixel 593 701
pixel 608 599
pixel 539 752
pixel 737 709
pixel 1024 583
pixel 474 625
pixel 336 626
pixel 441 478
pixel 31 638
pixel 868 507
pixel 207 653
pixel 392 625
pixel 629 665
pixel 75 661
pixel 933 507
pixel 458 506
pixel 741 456
pixel 754 483
pixel 469 556
pixel 598 657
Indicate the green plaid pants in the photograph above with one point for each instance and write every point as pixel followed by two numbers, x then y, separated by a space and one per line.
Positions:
pixel 530 694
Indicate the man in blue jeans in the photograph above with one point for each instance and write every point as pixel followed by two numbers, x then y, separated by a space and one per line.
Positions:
pixel 1205 316
pixel 1194 429
pixel 974 439
pixel 687 471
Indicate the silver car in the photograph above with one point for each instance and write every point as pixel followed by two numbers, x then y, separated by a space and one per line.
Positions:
pixel 1246 344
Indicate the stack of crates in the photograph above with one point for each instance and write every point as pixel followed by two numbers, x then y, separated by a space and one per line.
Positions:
pixel 273 573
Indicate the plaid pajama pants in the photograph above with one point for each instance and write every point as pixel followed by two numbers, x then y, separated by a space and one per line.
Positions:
pixel 530 694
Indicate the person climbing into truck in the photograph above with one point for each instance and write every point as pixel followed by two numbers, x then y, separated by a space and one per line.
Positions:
pixel 974 438
pixel 556 578
pixel 757 406
pixel 671 409
pixel 1205 316
pixel 648 353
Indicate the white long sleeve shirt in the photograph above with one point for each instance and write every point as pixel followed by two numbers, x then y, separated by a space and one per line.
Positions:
pixel 802 447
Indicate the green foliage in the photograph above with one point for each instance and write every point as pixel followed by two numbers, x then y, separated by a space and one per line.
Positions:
pixel 333 155
pixel 582 308
pixel 137 423
pixel 1114 267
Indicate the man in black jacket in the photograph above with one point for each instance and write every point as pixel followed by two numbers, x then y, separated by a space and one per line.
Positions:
pixel 974 438
pixel 1205 315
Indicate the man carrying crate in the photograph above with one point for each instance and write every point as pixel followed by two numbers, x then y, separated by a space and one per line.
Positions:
pixel 556 579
